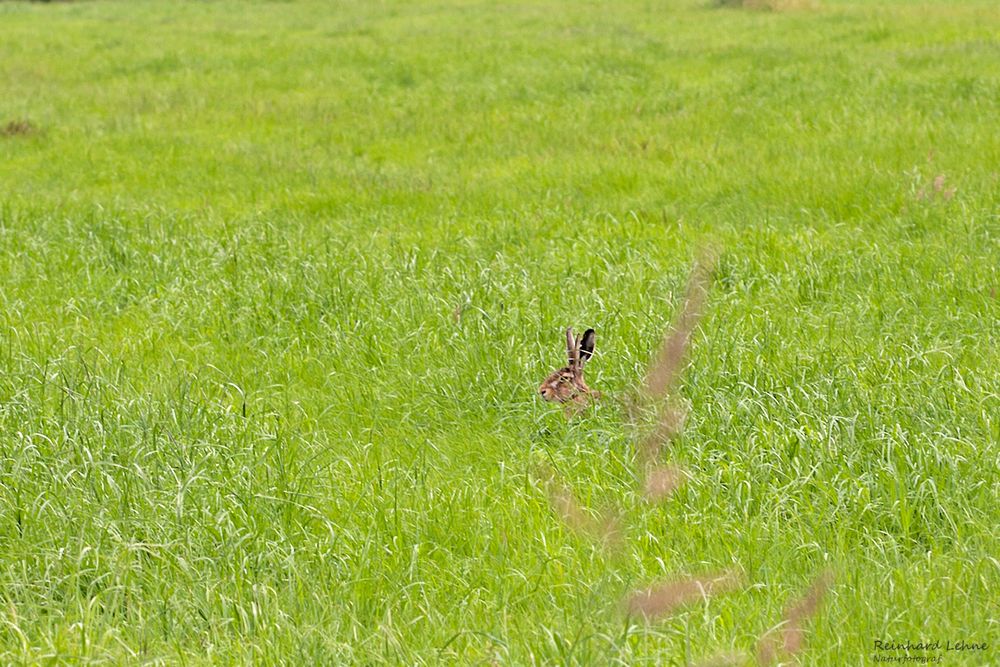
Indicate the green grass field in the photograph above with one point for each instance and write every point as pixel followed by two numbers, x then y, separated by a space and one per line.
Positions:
pixel 280 281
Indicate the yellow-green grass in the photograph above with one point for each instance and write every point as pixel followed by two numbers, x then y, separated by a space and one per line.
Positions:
pixel 280 280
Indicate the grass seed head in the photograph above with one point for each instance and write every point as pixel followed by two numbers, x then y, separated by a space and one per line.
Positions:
pixel 664 598
pixel 662 481
pixel 790 634
pixel 669 361
pixel 605 528
pixel 669 425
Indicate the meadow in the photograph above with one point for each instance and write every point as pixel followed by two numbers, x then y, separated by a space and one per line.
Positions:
pixel 279 282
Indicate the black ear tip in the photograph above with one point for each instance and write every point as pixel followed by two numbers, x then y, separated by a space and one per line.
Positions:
pixel 587 343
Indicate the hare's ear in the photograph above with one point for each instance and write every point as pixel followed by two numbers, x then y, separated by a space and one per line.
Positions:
pixel 586 345
pixel 572 351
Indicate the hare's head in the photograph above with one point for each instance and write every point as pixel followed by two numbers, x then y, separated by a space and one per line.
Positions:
pixel 566 384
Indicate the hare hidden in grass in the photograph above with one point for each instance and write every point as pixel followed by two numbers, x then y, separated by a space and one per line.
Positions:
pixel 567 384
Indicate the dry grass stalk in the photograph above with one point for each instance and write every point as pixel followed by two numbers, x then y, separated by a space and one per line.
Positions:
pixel 936 188
pixel 605 528
pixel 767 650
pixel 801 611
pixel 670 424
pixel 664 598
pixel 666 369
pixel 662 481
pixel 792 632
pixel 633 410
pixel 946 193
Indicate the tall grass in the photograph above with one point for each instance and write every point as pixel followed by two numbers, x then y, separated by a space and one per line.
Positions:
pixel 279 282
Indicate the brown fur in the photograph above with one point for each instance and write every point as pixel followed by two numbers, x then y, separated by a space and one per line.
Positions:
pixel 567 383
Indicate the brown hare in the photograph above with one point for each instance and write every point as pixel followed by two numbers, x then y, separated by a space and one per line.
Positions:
pixel 567 384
